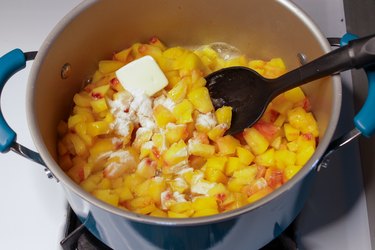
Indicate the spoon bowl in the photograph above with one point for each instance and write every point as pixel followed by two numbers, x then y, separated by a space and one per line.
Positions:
pixel 248 93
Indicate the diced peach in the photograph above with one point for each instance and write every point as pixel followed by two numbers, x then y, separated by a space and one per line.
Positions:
pixel 77 173
pixel 163 116
pixel 123 55
pixel 62 128
pixel 99 105
pixel 237 61
pixel 100 92
pixel 233 164
pixel 140 202
pixel 257 142
pixel 91 183
pixel 108 66
pixel 178 92
pixel 158 213
pixel 295 95
pixel 98 128
pixel 215 175
pixel 174 132
pixel 245 156
pixel 303 121
pixel 124 194
pixel 235 200
pixel 291 170
pixel 146 168
pixel 274 177
pixel 132 181
pixel 78 144
pixel 267 129
pixel 142 135
pixel 290 132
pixel 97 76
pixel 284 158
pixel 199 149
pixel 227 145
pixel 104 183
pixel 155 41
pixel 204 202
pixel 304 155
pixel 177 152
pixel 217 162
pixel 197 162
pixel 101 146
pixel 183 112
pixel 200 98
pixel 255 186
pixel 81 130
pixel 107 195
pixel 281 104
pixel 274 68
pixel 82 99
pixel 217 132
pixel 65 162
pixel 205 212
pixel 260 194
pixel 266 159
pixel 224 115
pixel 80 118
pixel 181 207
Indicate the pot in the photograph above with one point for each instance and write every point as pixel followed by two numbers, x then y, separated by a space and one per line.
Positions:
pixel 93 30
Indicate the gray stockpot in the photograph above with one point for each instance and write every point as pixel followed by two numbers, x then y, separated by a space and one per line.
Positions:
pixel 94 29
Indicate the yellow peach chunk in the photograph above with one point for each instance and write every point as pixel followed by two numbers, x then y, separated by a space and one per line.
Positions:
pixel 257 142
pixel 245 156
pixel 183 112
pixel 227 145
pixel 224 115
pixel 163 116
pixel 200 98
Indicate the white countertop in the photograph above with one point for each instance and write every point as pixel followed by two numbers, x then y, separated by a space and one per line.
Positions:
pixel 33 208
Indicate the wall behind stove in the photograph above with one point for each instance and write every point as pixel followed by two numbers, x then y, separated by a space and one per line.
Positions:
pixel 360 20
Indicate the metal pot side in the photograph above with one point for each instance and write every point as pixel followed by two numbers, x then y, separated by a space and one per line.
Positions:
pixel 94 29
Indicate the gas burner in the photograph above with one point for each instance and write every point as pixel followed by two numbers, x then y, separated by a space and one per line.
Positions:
pixel 78 237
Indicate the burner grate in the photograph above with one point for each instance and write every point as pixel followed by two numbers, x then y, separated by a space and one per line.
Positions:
pixel 77 237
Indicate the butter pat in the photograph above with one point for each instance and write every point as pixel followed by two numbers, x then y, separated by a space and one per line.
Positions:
pixel 142 76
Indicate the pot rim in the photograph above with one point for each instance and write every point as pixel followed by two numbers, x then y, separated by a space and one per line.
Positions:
pixel 69 184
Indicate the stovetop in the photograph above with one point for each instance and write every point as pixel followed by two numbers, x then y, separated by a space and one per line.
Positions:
pixel 33 211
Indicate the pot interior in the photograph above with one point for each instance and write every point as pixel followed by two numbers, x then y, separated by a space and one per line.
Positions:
pixel 94 30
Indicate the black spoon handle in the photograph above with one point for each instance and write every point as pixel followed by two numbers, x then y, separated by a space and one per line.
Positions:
pixel 357 54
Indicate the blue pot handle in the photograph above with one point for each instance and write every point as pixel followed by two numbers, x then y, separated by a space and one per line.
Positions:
pixel 364 121
pixel 10 64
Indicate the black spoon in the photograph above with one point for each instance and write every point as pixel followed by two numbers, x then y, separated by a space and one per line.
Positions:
pixel 248 93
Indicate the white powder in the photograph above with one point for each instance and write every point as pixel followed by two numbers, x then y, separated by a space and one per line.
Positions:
pixel 200 186
pixel 167 198
pixel 180 182
pixel 124 161
pixel 206 120
pixel 177 167
pixel 121 103
pixel 142 106
pixel 164 101
pixel 179 197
